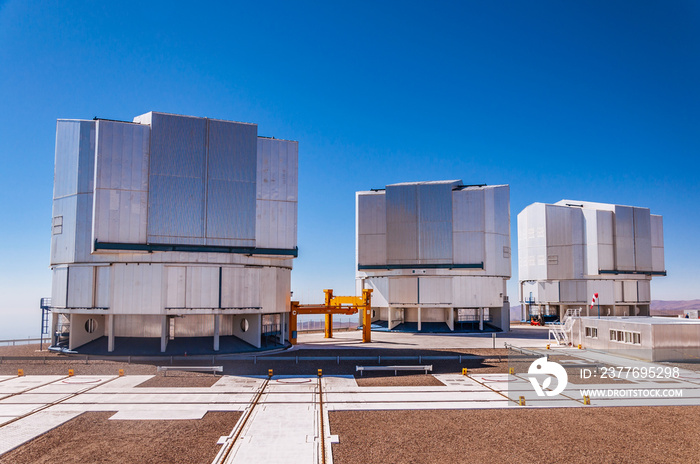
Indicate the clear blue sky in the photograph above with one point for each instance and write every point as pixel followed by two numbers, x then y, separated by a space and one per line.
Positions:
pixel 594 100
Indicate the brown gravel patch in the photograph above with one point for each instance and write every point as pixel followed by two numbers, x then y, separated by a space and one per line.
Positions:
pixel 26 350
pixel 181 379
pixel 639 435
pixel 406 380
pixel 91 437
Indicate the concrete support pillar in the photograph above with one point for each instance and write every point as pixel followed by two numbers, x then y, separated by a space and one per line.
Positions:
pixel 481 318
pixel 451 318
pixel 419 320
pixel 164 329
pixel 217 318
pixel 109 320
pixel 390 310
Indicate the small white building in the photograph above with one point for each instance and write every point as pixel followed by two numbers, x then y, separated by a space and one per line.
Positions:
pixel 435 253
pixel 648 338
pixel 171 226
pixel 571 250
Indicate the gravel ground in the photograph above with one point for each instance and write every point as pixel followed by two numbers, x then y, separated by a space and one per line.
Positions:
pixel 636 435
pixel 181 379
pixel 400 380
pixel 92 438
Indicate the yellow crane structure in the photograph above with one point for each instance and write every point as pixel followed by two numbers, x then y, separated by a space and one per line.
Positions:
pixel 335 305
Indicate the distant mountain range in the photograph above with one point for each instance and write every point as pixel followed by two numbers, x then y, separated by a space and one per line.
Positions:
pixel 658 308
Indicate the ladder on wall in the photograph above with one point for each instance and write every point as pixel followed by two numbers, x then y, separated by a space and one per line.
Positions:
pixel 562 332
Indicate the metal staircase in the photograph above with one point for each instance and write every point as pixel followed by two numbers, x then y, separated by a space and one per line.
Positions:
pixel 561 333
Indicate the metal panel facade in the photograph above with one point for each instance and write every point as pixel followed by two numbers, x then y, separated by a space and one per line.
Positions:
pixel 434 223
pixel 81 285
pixel 371 228
pixel 59 287
pixel 120 199
pixel 477 292
pixel 276 193
pixel 137 289
pixel 231 182
pixel 177 170
pixel 403 290
pixel 435 290
pixel 606 240
pixel 402 224
pixel 642 239
pixel 624 238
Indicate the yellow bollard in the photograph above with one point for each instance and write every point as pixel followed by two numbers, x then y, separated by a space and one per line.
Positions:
pixel 547 346
pixel 511 370
pixel 269 372
pixel 70 373
pixel 586 400
pixel 521 401
pixel 121 372
pixel 579 346
pixel 20 372
pixel 320 372
pixel 464 371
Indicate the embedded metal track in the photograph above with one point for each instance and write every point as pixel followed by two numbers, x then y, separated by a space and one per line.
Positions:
pixel 225 451
pixel 54 403
pixel 321 428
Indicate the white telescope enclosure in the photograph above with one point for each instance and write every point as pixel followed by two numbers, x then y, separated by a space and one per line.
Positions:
pixel 436 255
pixel 171 227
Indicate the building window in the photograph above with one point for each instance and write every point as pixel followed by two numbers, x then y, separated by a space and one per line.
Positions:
pixel 591 332
pixel 90 325
pixel 626 336
pixel 57 225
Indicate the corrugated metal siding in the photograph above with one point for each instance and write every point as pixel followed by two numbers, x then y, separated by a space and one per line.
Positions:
pixel 403 290
pixel 642 239
pixel 371 219
pixel 195 325
pixel 371 228
pixel 605 290
pixel 644 291
pixel 435 290
pixel 202 287
pixel 630 291
pixel 402 224
pixel 624 238
pixel 268 290
pixel 434 223
pixel 137 289
pixel 63 244
pixel 81 285
pixel 176 180
pixel 137 326
pixel 501 209
pixel 468 210
pixel 477 292
pixel 102 286
pixel 241 287
pixel 176 285
pixel 380 291
pixel 121 183
pixel 559 226
pixel 231 177
pixel 59 287
pixel 276 193
pixel 657 243
pixel 74 161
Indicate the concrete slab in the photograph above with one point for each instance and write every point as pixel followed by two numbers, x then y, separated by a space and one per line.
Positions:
pixel 20 384
pixel 23 430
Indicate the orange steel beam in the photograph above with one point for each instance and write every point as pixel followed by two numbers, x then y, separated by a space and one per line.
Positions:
pixel 347 305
